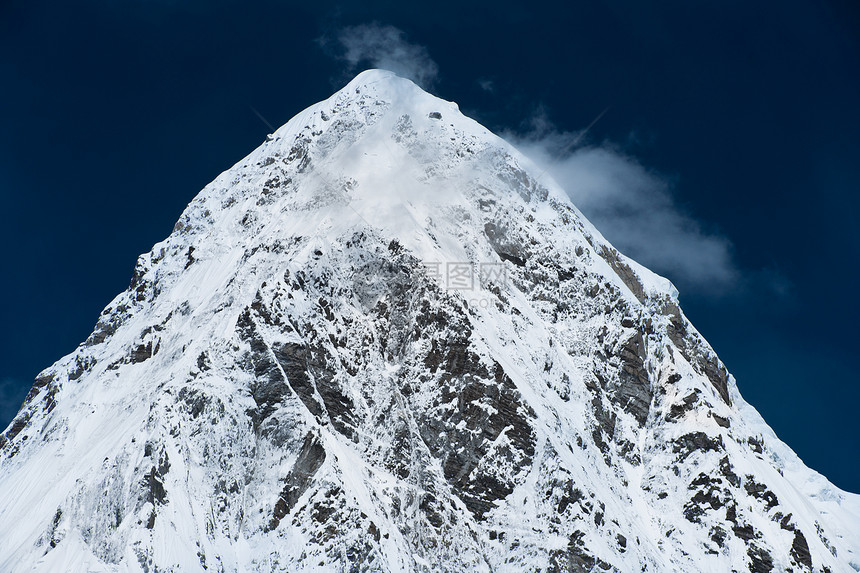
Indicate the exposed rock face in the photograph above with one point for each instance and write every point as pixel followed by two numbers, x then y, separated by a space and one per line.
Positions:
pixel 382 342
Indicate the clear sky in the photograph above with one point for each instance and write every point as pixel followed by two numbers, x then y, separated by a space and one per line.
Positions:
pixel 725 155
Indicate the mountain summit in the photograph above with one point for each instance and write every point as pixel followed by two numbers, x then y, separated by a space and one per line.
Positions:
pixel 384 341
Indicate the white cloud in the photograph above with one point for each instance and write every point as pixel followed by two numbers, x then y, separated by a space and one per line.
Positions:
pixel 634 209
pixel 383 46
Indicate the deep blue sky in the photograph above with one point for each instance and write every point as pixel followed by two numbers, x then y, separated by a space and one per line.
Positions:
pixel 112 118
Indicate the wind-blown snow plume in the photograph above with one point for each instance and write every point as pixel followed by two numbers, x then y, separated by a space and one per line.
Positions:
pixel 384 46
pixel 634 208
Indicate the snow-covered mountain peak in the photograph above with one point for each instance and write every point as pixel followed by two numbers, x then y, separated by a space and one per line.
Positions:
pixel 384 341
pixel 384 154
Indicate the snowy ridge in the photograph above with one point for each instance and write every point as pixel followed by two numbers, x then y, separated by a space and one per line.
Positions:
pixel 384 341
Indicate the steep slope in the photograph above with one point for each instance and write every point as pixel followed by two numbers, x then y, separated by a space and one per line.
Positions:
pixel 384 341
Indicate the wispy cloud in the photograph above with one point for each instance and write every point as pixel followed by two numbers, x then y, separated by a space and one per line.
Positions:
pixel 486 84
pixel 383 46
pixel 633 207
